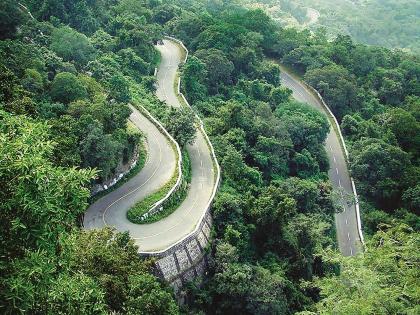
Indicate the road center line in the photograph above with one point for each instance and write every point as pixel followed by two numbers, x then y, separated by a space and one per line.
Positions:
pixel 173 226
pixel 137 188
pixel 296 86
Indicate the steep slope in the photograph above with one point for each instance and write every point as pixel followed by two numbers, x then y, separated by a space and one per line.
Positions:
pixel 111 209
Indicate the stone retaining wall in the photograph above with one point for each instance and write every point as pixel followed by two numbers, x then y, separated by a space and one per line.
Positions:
pixel 187 259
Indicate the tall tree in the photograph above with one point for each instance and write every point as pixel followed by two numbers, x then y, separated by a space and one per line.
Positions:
pixel 67 88
pixel 380 169
pixel 181 124
pixel 39 201
pixel 72 45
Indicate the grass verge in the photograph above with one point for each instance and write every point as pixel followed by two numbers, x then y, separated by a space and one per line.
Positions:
pixel 151 103
pixel 183 104
pixel 178 197
pixel 144 205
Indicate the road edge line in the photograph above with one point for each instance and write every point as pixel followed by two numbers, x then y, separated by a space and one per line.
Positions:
pixel 179 159
pixel 217 182
pixel 344 147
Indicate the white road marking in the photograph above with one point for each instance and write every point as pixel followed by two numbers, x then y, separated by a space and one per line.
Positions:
pixel 347 222
pixel 138 187
pixel 180 221
pixel 185 217
pixel 336 170
pixel 201 162
pixel 348 235
pixel 300 94
pixel 291 82
pixel 344 209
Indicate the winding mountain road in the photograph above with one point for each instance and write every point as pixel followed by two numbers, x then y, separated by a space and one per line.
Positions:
pixel 346 221
pixel 157 171
pixel 111 209
pixel 203 181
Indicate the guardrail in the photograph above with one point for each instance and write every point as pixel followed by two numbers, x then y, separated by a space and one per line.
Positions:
pixel 182 45
pixel 159 203
pixel 343 144
pixel 157 206
pixel 30 14
pixel 27 10
pixel 218 181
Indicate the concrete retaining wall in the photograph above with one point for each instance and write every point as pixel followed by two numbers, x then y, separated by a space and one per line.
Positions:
pixel 185 260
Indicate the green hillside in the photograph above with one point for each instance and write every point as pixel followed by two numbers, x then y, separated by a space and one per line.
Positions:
pixel 388 23
pixel 69 71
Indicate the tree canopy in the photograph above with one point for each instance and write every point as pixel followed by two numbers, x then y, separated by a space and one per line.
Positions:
pixel 66 78
pixel 65 84
pixel 382 280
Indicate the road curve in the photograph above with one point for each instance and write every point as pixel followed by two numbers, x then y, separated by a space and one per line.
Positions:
pixel 111 209
pixel 160 165
pixel 190 212
pixel 346 221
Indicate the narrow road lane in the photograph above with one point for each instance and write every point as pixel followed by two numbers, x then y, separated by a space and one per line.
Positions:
pixel 188 215
pixel 346 221
pixel 158 169
pixel 111 209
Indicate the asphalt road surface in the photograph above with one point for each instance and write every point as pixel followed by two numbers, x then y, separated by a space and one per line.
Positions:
pixel 183 221
pixel 346 221
pixel 158 169
pixel 112 208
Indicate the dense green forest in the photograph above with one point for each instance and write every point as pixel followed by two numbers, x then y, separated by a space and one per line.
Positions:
pixel 388 23
pixel 67 78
